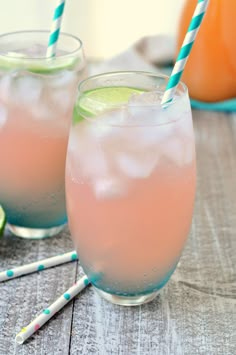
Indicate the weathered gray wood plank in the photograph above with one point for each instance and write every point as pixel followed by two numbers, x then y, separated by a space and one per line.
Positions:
pixel 194 314
pixel 23 298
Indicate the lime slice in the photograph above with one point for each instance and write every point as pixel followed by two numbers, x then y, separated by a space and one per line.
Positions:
pixel 2 220
pixel 43 66
pixel 96 101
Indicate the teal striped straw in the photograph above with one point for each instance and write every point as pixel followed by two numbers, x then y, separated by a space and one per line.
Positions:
pixel 185 50
pixel 55 29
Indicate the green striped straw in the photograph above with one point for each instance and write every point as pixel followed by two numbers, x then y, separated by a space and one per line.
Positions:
pixel 185 50
pixel 55 29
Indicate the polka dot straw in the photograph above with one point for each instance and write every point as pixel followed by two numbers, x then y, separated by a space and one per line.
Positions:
pixel 49 312
pixel 38 266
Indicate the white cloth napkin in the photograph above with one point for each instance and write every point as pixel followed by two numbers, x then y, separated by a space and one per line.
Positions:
pixel 153 54
pixel 147 54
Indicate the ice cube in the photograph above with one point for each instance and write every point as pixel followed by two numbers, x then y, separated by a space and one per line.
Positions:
pixel 43 112
pixel 137 165
pixel 145 109
pixel 189 152
pixel 26 89
pixel 112 117
pixel 87 152
pixel 173 149
pixel 146 98
pixel 74 139
pixel 109 188
pixel 149 137
pixel 34 51
pixel 101 130
pixel 184 126
pixel 94 163
pixel 62 90
pixel 179 150
pixel 15 54
pixel 3 116
pixel 5 88
pixel 63 79
pixel 62 100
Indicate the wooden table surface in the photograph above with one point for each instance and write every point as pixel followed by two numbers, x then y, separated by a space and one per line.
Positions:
pixel 194 314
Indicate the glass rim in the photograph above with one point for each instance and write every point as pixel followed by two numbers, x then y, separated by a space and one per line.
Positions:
pixel 30 59
pixel 124 105
pixel 176 98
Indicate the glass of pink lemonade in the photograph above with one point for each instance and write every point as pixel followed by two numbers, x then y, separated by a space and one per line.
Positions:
pixel 37 96
pixel 130 183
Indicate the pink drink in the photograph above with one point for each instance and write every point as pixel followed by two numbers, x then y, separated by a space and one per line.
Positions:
pixel 32 168
pixel 130 193
pixel 36 104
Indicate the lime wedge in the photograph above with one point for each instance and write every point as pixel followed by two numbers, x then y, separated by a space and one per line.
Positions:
pixel 2 220
pixel 96 101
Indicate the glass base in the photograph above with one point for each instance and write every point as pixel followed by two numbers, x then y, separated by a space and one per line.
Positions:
pixel 34 233
pixel 127 300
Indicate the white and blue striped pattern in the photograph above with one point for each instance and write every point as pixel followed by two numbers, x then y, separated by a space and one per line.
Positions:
pixel 55 29
pixel 185 51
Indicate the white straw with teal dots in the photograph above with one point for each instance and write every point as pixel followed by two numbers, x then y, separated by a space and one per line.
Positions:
pixel 183 55
pixel 38 266
pixel 55 29
pixel 49 312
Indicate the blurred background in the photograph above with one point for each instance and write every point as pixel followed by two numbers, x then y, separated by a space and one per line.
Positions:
pixel 106 27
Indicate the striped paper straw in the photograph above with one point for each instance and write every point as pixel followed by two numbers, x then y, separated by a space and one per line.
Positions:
pixel 49 312
pixel 38 266
pixel 183 55
pixel 55 29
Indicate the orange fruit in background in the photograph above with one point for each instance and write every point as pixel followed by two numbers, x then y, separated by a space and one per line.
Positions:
pixel 210 72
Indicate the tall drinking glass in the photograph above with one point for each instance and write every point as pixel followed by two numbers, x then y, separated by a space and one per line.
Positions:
pixel 37 96
pixel 130 183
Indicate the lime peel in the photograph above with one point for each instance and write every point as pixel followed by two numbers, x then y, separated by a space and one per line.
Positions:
pixel 2 220
pixel 95 101
pixel 40 66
